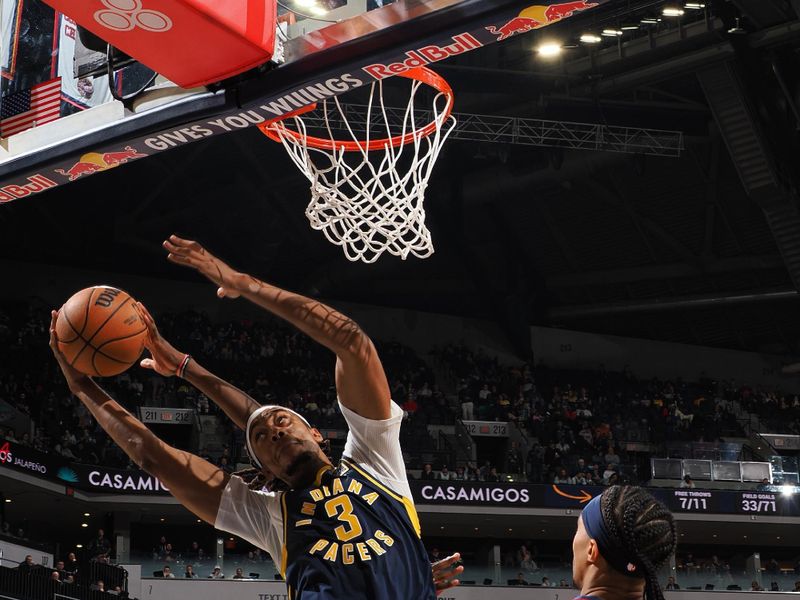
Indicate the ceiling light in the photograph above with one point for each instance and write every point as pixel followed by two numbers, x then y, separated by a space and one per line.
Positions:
pixel 651 21
pixel 84 524
pixel 611 32
pixel 694 5
pixel 316 9
pixel 591 38
pixel 79 545
pixel 629 27
pixel 672 11
pixel 86 515
pixel 787 490
pixel 199 521
pixel 163 519
pixel 549 49
pixel 8 500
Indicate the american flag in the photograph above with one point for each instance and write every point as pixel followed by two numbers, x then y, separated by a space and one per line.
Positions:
pixel 29 108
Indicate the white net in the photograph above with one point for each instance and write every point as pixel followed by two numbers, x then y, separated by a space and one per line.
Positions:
pixel 370 200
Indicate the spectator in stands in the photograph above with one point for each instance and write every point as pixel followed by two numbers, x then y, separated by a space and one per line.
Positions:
pixel 687 482
pixel 492 477
pixel 239 573
pixel 671 585
pixel 754 587
pixel 609 473
pixel 563 478
pixel 427 472
pixel 55 576
pixel 764 485
pixel 773 567
pixel 27 565
pixel 71 565
pixel 99 546
pixel 796 586
pixel 6 529
pixel 563 583
pixel 167 571
pixel 98 586
pixel 773 587
pixel 445 474
pixel 583 479
pixel 217 573
pixel 169 555
pixel 190 574
pixel 514 459
pixel 580 468
pixel 62 572
pixel 546 582
pixel 612 457
pixel 519 580
pixel 193 553
pixel 460 475
pixel 467 409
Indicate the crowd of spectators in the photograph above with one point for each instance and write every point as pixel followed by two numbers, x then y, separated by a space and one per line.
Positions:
pixel 576 424
pixel 92 570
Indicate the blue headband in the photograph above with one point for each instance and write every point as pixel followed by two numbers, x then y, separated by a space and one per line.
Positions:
pixel 613 552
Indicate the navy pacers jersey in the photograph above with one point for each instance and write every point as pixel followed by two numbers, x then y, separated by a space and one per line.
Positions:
pixel 349 536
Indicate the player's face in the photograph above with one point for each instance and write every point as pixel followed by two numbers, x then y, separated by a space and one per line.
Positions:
pixel 287 447
pixel 580 551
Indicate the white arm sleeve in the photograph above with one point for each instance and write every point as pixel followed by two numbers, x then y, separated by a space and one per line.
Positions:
pixel 253 516
pixel 375 445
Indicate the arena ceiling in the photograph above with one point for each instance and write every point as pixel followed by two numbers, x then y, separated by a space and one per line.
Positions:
pixel 703 248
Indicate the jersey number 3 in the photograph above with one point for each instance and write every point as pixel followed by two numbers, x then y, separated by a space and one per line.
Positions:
pixel 342 508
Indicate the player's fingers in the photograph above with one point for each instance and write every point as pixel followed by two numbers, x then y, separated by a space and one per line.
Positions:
pixel 175 248
pixel 445 575
pixel 53 335
pixel 181 260
pixel 184 243
pixel 446 562
pixel 147 363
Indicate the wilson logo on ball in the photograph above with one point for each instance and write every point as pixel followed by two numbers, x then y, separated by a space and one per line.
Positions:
pixel 106 298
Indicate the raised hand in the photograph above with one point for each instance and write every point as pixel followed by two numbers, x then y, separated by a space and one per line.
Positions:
pixel 444 572
pixel 164 358
pixel 191 254
pixel 74 378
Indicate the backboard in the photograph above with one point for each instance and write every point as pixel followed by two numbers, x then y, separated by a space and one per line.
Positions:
pixel 344 45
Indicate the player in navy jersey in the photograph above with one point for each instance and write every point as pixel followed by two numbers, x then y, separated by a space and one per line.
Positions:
pixel 335 531
pixel 624 537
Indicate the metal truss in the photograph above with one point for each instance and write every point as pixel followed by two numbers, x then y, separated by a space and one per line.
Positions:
pixel 506 130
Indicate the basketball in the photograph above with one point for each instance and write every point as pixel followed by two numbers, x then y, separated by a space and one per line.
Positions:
pixel 100 332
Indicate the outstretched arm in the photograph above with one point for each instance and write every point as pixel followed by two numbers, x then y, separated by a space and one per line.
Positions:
pixel 360 379
pixel 166 360
pixel 196 483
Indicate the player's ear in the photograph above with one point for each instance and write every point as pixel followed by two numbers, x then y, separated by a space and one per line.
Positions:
pixel 592 553
pixel 316 435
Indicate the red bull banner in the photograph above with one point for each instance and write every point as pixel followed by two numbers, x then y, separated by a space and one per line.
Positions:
pixel 265 98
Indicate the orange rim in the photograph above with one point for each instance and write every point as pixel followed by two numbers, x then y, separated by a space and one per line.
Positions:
pixel 422 74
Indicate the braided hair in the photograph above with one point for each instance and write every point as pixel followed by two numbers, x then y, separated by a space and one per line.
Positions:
pixel 257 480
pixel 641 523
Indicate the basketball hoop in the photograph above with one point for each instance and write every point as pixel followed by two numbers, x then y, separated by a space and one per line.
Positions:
pixel 367 194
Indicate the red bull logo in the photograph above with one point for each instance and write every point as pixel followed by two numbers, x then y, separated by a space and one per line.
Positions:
pixel 537 16
pixel 96 161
